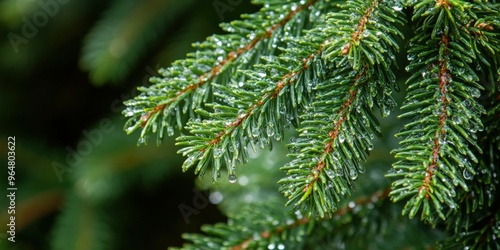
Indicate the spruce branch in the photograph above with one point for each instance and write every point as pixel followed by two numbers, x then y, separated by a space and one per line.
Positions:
pixel 337 128
pixel 183 87
pixel 476 223
pixel 256 112
pixel 325 68
pixel 272 227
pixel 442 102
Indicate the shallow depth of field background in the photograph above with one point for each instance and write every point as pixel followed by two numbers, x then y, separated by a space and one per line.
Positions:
pixel 65 68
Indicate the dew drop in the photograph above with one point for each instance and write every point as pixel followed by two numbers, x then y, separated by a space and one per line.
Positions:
pixel 217 152
pixel 467 175
pixel 129 130
pixel 170 131
pixel 353 174
pixel 341 137
pixel 277 136
pixel 255 132
pixel 361 169
pixel 141 140
pixel 232 178
pixel 330 173
pixel 397 8
pixel 270 131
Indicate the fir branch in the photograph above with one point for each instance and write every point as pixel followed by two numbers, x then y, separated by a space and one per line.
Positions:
pixel 475 224
pixel 228 137
pixel 441 101
pixel 444 80
pixel 158 106
pixel 270 226
pixel 337 128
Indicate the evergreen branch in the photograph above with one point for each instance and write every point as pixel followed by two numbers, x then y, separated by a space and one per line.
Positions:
pixel 441 101
pixel 269 226
pixel 326 166
pixel 186 79
pixel 484 28
pixel 476 222
pixel 444 80
pixel 361 27
pixel 227 137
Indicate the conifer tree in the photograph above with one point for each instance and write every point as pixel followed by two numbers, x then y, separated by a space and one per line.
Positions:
pixel 329 71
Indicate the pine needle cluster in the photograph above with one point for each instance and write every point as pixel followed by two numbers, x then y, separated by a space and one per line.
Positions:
pixel 329 70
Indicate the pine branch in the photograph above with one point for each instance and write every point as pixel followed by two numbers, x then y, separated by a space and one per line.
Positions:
pixel 270 227
pixel 476 222
pixel 257 111
pixel 217 60
pixel 442 102
pixel 337 129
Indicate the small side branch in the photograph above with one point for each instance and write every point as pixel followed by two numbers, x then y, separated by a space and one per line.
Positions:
pixel 333 134
pixel 216 70
pixel 377 196
pixel 444 80
pixel 361 27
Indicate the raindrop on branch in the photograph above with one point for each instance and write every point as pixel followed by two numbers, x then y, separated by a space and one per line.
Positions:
pixel 232 178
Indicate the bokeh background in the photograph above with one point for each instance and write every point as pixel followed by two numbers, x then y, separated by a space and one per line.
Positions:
pixel 66 66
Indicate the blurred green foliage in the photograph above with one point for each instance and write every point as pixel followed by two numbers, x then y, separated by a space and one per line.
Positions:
pixel 65 67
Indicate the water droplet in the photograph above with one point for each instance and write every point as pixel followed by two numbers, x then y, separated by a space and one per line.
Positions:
pixel 217 152
pixel 270 131
pixel 129 130
pixel 353 174
pixel 141 140
pixel 277 136
pixel 467 175
pixel 361 169
pixel 282 110
pixel 341 137
pixel 170 131
pixel 397 8
pixel 255 132
pixel 241 113
pixel 330 173
pixel 232 178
